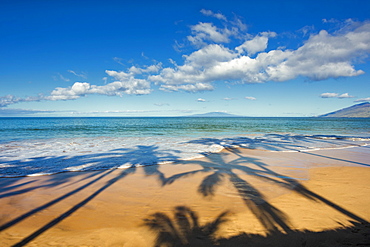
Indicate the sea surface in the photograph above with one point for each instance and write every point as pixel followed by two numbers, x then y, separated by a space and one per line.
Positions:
pixel 42 146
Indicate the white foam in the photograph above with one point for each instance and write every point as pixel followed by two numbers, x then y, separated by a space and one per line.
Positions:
pixel 49 156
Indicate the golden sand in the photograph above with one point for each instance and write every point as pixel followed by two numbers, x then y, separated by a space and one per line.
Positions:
pixel 238 197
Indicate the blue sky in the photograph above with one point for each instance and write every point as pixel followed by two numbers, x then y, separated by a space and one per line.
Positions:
pixel 174 58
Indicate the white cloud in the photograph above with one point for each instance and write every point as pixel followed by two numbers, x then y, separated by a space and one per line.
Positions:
pixel 191 76
pixel 63 78
pixel 227 99
pixel 332 20
pixel 324 56
pixel 209 56
pixel 192 88
pixel 149 69
pixel 125 83
pixel 249 98
pixel 11 99
pixel 203 32
pixel 143 55
pixel 13 111
pixel 329 95
pixel 257 44
pixel 77 90
pixel 118 60
pixel 201 100
pixel 239 24
pixel 345 95
pixel 321 57
pixel 211 13
pixel 161 104
pixel 120 111
pixel 82 75
pixel 363 100
pixel 306 30
pixel 336 95
pixel 8 100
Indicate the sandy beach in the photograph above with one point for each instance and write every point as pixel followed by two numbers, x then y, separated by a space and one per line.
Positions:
pixel 239 197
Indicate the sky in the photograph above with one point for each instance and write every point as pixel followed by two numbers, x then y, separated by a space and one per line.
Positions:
pixel 175 58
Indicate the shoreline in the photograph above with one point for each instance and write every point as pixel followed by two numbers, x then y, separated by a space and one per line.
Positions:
pixel 248 195
pixel 53 156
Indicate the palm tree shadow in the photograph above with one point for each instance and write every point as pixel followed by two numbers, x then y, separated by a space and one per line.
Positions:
pixel 184 229
pixel 130 157
pixel 270 217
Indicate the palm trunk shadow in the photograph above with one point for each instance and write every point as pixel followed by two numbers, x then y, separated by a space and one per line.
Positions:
pixel 49 204
pixel 69 212
pixel 269 216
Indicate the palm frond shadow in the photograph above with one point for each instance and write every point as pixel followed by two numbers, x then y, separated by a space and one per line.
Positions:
pixel 270 217
pixel 184 229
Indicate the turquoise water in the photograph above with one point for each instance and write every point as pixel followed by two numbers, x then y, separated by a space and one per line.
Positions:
pixel 39 146
pixel 38 128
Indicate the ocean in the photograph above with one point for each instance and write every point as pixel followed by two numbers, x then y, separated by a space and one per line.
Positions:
pixel 42 146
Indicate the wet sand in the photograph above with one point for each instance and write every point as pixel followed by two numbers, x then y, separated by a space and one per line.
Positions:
pixel 238 197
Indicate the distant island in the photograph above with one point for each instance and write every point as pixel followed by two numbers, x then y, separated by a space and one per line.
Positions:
pixel 214 114
pixel 356 111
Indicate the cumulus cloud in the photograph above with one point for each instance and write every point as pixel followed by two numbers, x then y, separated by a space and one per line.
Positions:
pixel 256 44
pixel 201 100
pixel 322 56
pixel 196 73
pixel 125 83
pixel 336 95
pixel 77 90
pixel 205 32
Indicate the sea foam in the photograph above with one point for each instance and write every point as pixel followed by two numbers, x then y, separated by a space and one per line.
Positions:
pixel 50 156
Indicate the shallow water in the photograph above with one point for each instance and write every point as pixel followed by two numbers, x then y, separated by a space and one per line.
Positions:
pixel 39 146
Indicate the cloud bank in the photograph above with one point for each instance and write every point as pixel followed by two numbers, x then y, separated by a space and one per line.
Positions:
pixel 336 95
pixel 228 53
pixel 363 100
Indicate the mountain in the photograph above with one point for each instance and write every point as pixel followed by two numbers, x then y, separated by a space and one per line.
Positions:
pixel 359 110
pixel 214 114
